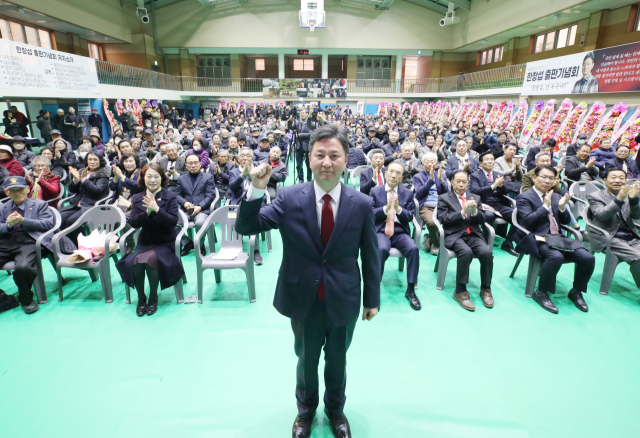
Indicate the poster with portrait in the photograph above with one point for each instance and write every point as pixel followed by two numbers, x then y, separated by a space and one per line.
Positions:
pixel 611 70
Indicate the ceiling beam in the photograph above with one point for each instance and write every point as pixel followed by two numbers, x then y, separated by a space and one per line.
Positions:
pixel 429 5
pixel 384 5
pixel 464 4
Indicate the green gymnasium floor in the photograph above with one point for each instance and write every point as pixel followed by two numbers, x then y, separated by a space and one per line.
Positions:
pixel 226 368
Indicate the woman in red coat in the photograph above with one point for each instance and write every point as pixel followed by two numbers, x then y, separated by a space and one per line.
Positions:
pixel 43 184
pixel 8 162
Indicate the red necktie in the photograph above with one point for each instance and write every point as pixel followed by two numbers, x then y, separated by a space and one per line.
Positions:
pixel 490 176
pixel 380 182
pixel 326 228
pixel 463 201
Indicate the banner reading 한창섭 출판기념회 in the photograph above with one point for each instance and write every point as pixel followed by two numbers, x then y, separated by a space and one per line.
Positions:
pixel 610 70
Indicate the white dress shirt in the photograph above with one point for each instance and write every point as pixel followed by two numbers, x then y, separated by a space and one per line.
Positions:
pixel 388 189
pixel 255 193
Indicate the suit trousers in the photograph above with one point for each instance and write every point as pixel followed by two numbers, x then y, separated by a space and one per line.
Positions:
pixel 311 335
pixel 20 248
pixel 466 248
pixel 303 156
pixel 628 251
pixel 426 214
pixel 552 260
pixel 403 243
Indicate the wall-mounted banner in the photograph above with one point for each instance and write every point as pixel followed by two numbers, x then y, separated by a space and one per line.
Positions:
pixel 31 67
pixel 610 70
pixel 271 88
pixel 313 88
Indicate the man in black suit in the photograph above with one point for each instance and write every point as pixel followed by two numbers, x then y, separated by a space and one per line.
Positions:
pixel 461 214
pixel 394 208
pixel 374 175
pixel 541 211
pixel 489 186
pixel 325 227
pixel 392 149
pixel 370 141
pixel 302 133
pixel 221 171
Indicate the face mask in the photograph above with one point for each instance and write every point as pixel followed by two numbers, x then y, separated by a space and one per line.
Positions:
pixel 581 142
pixel 83 154
pixel 196 148
pixel 18 147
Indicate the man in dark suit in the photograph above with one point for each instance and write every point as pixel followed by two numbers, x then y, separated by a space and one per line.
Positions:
pixel 374 175
pixel 394 208
pixel 489 186
pixel 324 225
pixel 195 192
pixel 622 161
pixel 262 153
pixel 301 133
pixel 173 165
pixel 279 171
pixel 392 149
pixel 614 209
pixel 22 221
pixel 221 171
pixel 370 141
pixel 541 211
pixel 460 213
pixel 461 160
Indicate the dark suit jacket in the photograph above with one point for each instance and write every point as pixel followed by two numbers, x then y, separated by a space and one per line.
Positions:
pixel 450 217
pixel 631 165
pixel 93 189
pixel 368 144
pixel 305 260
pixel 202 193
pixel 405 201
pixel 481 186
pixel 534 217
pixel 366 179
pixel 389 149
pixel 222 179
pixel 236 189
pixel 574 168
pixel 38 219
pixel 453 165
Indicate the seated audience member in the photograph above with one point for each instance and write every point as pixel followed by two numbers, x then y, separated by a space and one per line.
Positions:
pixel 412 140
pixel 572 149
pixel 262 153
pixel 356 157
pixel 43 184
pixel 621 161
pixel 136 149
pixel 8 162
pixel 614 209
pixel 541 211
pixel 461 160
pixel 21 154
pixel 497 148
pixel 173 166
pixel 195 192
pixel 240 186
pixel 98 144
pixel 547 146
pixel 489 185
pixel 410 164
pixel 393 208
pixel 370 141
pixel 279 171
pixel 62 157
pixel 155 211
pixel 542 159
pixel 392 150
pixel 461 214
pixel 221 171
pixel 162 151
pixel 580 167
pixel 480 143
pixel 603 154
pixel 199 151
pixel 429 184
pixel 80 163
pixel 55 135
pixel 88 187
pixel 22 221
pixel 125 182
pixel 432 145
pixel 509 167
pixel 374 175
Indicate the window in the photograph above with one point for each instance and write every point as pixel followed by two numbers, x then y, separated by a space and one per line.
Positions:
pixel 411 69
pixel 556 39
pixel 94 51
pixel 490 55
pixel 259 63
pixel 303 64
pixel 11 30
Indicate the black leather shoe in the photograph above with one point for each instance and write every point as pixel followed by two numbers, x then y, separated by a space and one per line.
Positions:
pixel 302 427
pixel 31 308
pixel 339 425
pixel 141 310
pixel 186 249
pixel 578 300
pixel 506 247
pixel 413 300
pixel 545 302
pixel 257 258
pixel 152 307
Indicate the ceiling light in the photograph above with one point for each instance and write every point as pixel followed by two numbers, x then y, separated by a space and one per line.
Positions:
pixel 419 52
pixel 555 17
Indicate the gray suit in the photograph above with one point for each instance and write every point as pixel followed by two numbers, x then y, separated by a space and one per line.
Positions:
pixel 607 213
pixel 179 167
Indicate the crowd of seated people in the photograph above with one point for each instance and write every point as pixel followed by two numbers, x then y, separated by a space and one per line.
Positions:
pixel 462 177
